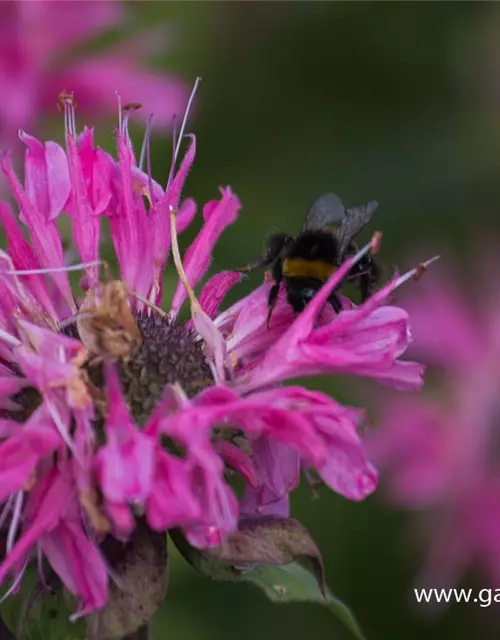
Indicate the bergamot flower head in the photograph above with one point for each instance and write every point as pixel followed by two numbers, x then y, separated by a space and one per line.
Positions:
pixel 439 453
pixel 39 55
pixel 116 413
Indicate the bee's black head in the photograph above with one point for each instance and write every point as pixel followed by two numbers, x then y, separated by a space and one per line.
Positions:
pixel 300 291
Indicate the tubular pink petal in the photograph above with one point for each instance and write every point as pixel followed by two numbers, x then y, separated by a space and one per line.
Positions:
pixel 44 234
pixel 220 512
pixel 161 211
pixel 86 225
pixel 171 501
pixel 442 318
pixel 23 258
pixel 279 469
pixel 78 563
pixel 47 177
pixel 357 343
pixel 215 290
pixel 125 465
pixel 50 498
pixel 262 502
pixel 238 460
pixel 215 346
pixel 96 80
pixel 402 375
pixel 23 450
pixel 130 226
pixel 122 518
pixel 96 171
pixel 217 215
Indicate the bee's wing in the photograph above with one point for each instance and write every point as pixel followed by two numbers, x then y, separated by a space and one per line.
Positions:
pixel 352 223
pixel 326 210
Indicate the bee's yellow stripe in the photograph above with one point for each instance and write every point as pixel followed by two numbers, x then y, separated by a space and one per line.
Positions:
pixel 298 267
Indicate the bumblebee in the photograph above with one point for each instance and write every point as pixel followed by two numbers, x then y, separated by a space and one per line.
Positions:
pixel 305 262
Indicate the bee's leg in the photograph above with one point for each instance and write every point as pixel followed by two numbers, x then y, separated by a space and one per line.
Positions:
pixel 365 286
pixel 275 246
pixel 273 293
pixel 369 279
pixel 334 300
pixel 271 302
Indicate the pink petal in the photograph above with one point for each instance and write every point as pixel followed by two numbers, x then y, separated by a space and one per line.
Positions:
pixel 347 471
pixel 173 194
pixel 279 470
pixel 44 509
pixel 401 375
pixel 23 258
pixel 261 502
pixel 412 445
pixel 44 234
pixel 215 345
pixel 125 464
pixel 161 211
pixel 58 26
pixel 215 290
pixel 219 515
pixel 47 178
pixel 21 452
pixel 78 563
pixel 130 225
pixel 358 342
pixel 217 215
pixel 442 319
pixel 171 501
pixel 122 518
pixel 96 80
pixel 238 460
pixel 86 225
pixel 36 370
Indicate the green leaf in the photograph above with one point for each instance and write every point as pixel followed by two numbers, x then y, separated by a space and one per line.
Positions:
pixel 270 553
pixel 34 613
pixel 294 583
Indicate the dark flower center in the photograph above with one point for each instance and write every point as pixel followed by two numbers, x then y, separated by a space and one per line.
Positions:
pixel 169 353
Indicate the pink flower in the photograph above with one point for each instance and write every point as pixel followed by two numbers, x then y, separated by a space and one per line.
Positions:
pixel 440 455
pixel 37 62
pixel 156 425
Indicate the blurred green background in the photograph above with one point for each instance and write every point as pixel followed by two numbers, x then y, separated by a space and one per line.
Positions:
pixel 398 102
